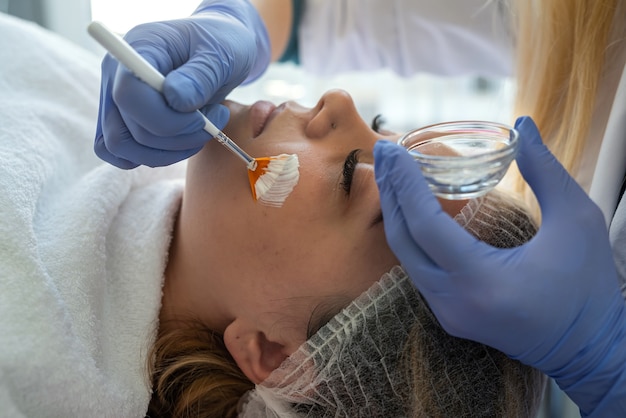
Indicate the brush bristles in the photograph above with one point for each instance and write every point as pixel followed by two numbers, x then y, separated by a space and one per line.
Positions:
pixel 274 178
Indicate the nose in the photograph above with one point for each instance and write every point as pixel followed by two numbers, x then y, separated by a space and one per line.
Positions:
pixel 337 111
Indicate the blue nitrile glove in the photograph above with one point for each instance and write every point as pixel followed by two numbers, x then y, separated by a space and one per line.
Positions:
pixel 203 58
pixel 553 303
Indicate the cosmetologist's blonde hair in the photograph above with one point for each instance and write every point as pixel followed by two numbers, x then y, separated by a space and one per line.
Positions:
pixel 563 47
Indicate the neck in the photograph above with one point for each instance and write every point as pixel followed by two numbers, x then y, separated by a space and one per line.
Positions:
pixel 189 293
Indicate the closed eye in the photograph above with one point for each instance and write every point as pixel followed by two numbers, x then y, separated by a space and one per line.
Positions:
pixel 377 122
pixel 349 166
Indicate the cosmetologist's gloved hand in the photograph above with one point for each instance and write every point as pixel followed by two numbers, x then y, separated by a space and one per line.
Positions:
pixel 203 57
pixel 553 303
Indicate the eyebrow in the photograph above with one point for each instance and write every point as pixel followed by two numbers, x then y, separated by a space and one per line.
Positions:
pixel 324 312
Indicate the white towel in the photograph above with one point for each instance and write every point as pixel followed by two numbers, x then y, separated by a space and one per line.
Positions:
pixel 83 245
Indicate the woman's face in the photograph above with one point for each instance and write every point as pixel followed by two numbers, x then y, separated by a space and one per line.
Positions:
pixel 292 267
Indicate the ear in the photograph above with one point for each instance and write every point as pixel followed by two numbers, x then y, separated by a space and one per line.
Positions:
pixel 254 353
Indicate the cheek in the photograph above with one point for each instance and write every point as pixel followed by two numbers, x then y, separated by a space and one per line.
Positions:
pixel 371 258
pixel 349 265
pixel 215 166
pixel 325 269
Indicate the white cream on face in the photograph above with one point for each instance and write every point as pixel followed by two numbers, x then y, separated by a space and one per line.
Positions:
pixel 280 176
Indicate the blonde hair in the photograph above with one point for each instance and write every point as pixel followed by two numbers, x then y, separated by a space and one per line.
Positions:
pixel 193 375
pixel 562 47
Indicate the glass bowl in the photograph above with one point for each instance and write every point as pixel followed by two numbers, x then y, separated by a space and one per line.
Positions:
pixel 464 159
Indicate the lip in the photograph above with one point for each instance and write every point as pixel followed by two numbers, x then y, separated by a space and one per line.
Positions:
pixel 259 114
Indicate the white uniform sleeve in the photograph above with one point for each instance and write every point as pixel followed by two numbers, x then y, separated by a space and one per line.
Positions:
pixel 444 37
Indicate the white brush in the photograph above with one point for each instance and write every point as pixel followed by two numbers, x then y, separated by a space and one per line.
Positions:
pixel 271 178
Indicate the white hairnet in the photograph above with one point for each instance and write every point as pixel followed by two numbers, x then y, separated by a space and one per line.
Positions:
pixel 386 355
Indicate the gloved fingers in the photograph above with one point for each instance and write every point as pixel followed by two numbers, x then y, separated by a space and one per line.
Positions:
pixel 210 73
pixel 555 189
pixel 103 153
pixel 428 277
pixel 195 83
pixel 430 228
pixel 100 147
pixel 166 143
pixel 141 155
pixel 218 114
pixel 570 219
pixel 141 103
pixel 424 273
pixel 160 43
pixel 431 280
pixel 398 233
pixel 116 140
pixel 108 108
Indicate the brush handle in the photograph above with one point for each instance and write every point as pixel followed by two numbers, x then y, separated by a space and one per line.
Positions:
pixel 143 70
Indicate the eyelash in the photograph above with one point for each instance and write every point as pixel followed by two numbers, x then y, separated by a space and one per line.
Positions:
pixel 348 170
pixel 353 158
pixel 378 122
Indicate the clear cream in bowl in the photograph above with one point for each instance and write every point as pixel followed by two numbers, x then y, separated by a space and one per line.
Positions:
pixel 465 159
